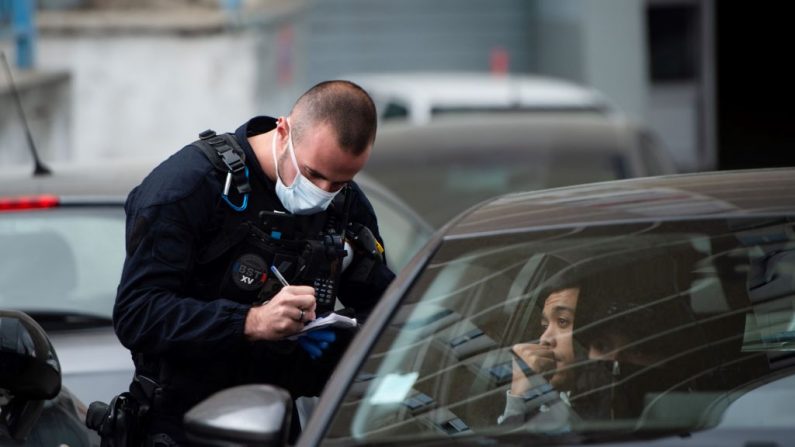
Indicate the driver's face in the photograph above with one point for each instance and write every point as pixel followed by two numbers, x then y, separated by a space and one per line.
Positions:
pixel 558 322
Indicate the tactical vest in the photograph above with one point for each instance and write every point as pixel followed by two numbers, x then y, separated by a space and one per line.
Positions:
pixel 248 237
pixel 306 250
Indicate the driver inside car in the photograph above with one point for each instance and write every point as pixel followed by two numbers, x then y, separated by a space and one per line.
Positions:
pixel 602 344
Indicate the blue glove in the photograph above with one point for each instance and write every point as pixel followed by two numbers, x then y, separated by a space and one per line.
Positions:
pixel 315 342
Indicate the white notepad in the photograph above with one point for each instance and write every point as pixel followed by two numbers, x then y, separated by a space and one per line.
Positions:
pixel 330 320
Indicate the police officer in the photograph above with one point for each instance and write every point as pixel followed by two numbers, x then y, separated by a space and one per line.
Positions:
pixel 197 304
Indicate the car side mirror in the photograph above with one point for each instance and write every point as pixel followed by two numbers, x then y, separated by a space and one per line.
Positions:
pixel 243 415
pixel 30 373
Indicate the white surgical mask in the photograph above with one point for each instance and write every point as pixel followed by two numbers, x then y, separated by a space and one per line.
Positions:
pixel 303 196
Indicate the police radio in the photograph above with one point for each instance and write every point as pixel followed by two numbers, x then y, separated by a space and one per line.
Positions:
pixel 318 248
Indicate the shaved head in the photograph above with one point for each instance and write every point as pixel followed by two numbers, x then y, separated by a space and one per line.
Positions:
pixel 342 105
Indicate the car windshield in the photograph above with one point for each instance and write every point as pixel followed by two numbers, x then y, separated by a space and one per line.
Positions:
pixel 63 261
pixel 589 333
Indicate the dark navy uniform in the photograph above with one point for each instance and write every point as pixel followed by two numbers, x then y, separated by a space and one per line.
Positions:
pixel 184 328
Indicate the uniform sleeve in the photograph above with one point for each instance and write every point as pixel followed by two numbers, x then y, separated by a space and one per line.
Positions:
pixel 362 294
pixel 166 215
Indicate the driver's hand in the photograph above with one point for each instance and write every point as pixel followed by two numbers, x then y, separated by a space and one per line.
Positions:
pixel 539 358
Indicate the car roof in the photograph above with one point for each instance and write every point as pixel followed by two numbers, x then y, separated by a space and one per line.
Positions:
pixel 107 179
pixel 749 193
pixel 112 180
pixel 483 134
pixel 450 89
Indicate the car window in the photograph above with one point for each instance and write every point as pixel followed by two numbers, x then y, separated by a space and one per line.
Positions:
pixel 394 110
pixel 403 236
pixel 673 328
pixel 61 260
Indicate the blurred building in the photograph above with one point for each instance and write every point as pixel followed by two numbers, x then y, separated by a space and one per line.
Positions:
pixel 605 44
pixel 147 75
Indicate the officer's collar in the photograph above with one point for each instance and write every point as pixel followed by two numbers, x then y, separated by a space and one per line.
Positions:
pixel 255 126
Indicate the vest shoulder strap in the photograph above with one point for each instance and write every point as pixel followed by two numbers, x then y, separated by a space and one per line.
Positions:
pixel 226 155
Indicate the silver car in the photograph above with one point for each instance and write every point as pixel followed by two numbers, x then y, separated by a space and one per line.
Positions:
pixel 62 239
pixel 453 162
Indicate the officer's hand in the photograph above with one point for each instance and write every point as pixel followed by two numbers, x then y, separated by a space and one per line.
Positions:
pixel 539 358
pixel 315 342
pixel 282 316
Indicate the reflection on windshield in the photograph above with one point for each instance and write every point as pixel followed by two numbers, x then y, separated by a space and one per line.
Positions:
pixel 64 260
pixel 641 330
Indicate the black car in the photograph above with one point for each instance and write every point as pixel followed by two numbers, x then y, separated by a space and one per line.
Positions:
pixel 35 410
pixel 683 330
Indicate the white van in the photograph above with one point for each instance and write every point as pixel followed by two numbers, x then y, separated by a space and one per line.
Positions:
pixel 418 97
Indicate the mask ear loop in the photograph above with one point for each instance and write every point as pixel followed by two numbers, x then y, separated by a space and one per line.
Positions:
pixel 225 194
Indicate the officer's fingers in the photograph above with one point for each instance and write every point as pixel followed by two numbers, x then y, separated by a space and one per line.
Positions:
pixel 305 303
pixel 285 324
pixel 313 306
pixel 263 323
pixel 291 306
pixel 309 315
pixel 287 293
pixel 293 313
pixel 284 312
pixel 302 300
pixel 299 290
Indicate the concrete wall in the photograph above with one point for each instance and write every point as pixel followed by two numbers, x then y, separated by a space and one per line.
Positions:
pixel 604 44
pixel 144 88
pixel 409 35
pixel 597 43
pixel 145 85
pixel 129 103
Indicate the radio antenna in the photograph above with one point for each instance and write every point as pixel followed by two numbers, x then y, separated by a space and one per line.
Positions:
pixel 39 168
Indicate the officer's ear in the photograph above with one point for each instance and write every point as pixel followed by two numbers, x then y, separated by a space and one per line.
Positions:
pixel 282 127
